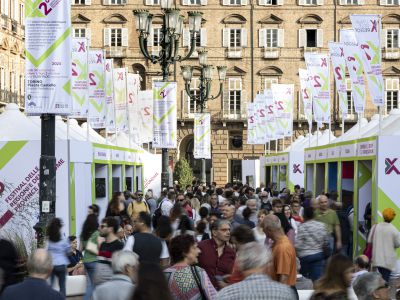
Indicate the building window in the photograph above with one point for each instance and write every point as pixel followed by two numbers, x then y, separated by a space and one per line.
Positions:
pixel 392 38
pixel 235 140
pixel 311 38
pixel 271 38
pixel 194 91
pixel 392 94
pixel 235 38
pixel 79 2
pixel 235 95
pixel 116 37
pixel 22 14
pixel 2 78
pixel 79 32
pixel 350 102
pixel 157 37
pixel 235 2
pixel 153 2
pixel 391 2
pixel 271 2
pixel 117 2
pixel 269 81
pixel 194 2
pixel 310 2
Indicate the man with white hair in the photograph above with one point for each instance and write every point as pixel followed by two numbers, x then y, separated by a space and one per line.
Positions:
pixel 371 285
pixel 120 286
pixel 252 259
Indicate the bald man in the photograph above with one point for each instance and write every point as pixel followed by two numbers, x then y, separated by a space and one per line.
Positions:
pixel 361 266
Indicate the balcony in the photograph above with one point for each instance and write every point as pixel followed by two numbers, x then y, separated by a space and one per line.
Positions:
pixel 271 53
pixel 234 114
pixel 391 54
pixel 118 52
pixel 234 52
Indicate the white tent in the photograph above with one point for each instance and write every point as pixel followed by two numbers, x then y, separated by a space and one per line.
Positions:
pixel 353 132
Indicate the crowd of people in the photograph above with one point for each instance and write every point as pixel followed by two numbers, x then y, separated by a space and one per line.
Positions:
pixel 209 242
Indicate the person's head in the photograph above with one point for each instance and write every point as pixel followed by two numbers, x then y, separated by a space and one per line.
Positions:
pixel 185 224
pixel 213 217
pixel 361 262
pixel 221 230
pixel 246 213
pixel 264 196
pixel 164 228
pixel 116 205
pixel 314 203
pixel 201 227
pixel 171 195
pixel 297 189
pixel 369 286
pixel 128 229
pixel 54 230
pixel 94 209
pixel 308 213
pixel 296 206
pixel 287 211
pixel 176 211
pixel 149 194
pixel 127 194
pixel 252 258
pixel 285 224
pixel 203 212
pixel 120 233
pixel 388 215
pixel 89 226
pixel 338 274
pixel 242 235
pixel 195 203
pixel 214 200
pixel 252 204
pixel 261 215
pixel 277 205
pixel 323 202
pixel 183 248
pixel 180 198
pixel 126 263
pixel 40 264
pixel 108 227
pixel 139 195
pixel 228 211
pixel 272 227
pixel 73 242
pixel 143 221
pixel 308 195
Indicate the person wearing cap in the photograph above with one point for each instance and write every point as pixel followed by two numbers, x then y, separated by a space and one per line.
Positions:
pixel 137 205
pixel 385 239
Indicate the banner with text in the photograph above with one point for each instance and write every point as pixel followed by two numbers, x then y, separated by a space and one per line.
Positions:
pixel 306 94
pixel 121 115
pixel 202 136
pixel 48 57
pixel 261 118
pixel 145 105
pixel 283 98
pixel 97 93
pixel 79 79
pixel 110 108
pixel 368 30
pixel 133 87
pixel 318 70
pixel 251 123
pixel 164 114
pixel 271 122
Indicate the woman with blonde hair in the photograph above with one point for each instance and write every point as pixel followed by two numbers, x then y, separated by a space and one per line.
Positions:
pixel 195 204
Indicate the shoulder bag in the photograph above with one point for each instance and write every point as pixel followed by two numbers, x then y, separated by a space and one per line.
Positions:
pixel 368 247
pixel 198 282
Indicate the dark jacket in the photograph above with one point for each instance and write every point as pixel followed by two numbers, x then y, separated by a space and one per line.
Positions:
pixel 31 289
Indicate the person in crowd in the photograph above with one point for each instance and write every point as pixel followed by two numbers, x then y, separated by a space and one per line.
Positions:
pixel 345 213
pixel 164 232
pixel 302 282
pixel 297 215
pixel 34 287
pixel 283 266
pixel 216 256
pixel 214 205
pixel 242 206
pixel 94 209
pixel 228 212
pixel 195 204
pixel 259 233
pixel 369 286
pixel 176 213
pixel 89 243
pixel 116 207
pixel 211 219
pixel 121 285
pixel 128 230
pixel 185 227
pixel 151 284
pixel 310 240
pixel 287 228
pixel 252 205
pixel 128 198
pixel 308 195
pixel 167 204
pixel 265 202
pixel 185 280
pixel 287 210
pixel 361 266
pixel 8 264
pixel 252 260
pixel 277 205
pixel 204 214
pixel 137 206
pixel 385 239
pixel 108 230
pixel 75 266
pixel 329 217
pixel 59 249
pixel 151 201
pixel 201 234
pixel 246 218
pixel 144 243
pixel 336 280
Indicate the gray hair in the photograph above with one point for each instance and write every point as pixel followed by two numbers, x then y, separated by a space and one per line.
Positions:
pixel 218 223
pixel 121 259
pixel 272 222
pixel 366 284
pixel 252 255
pixel 40 262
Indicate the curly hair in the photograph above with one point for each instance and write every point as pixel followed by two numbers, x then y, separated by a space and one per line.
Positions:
pixel 54 230
pixel 179 246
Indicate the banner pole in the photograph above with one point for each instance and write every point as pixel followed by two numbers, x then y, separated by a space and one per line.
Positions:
pixel 276 145
pixel 342 124
pixel 317 135
pixel 380 119
pixel 330 130
pixel 309 133
pixel 87 130
pixel 269 147
pixel 359 124
pixel 129 115
pixel 67 127
pixel 283 144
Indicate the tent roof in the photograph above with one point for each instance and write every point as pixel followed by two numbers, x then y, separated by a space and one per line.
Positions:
pixel 387 123
pixel 122 140
pixel 296 142
pixel 353 132
pixel 393 129
pixel 309 140
pixel 93 135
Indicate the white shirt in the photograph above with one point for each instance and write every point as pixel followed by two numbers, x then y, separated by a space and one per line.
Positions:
pixel 166 207
pixel 356 274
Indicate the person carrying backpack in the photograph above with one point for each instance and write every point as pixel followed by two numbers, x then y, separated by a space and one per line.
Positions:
pixel 137 205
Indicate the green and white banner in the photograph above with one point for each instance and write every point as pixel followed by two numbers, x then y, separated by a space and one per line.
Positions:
pixel 145 104
pixel 318 69
pixel 306 94
pixel 251 123
pixel 120 98
pixel 133 87
pixel 48 57
pixel 164 118
pixel 271 122
pixel 355 66
pixel 261 120
pixel 79 79
pixel 202 136
pixel 283 97
pixel 336 51
pixel 368 30
pixel 97 93
pixel 110 107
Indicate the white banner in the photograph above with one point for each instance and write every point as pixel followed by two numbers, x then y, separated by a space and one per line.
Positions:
pixel 336 51
pixel 271 122
pixel 48 57
pixel 283 98
pixel 355 67
pixel 318 69
pixel 79 79
pixel 261 120
pixel 133 86
pixel 251 123
pixel 121 115
pixel 164 118
pixel 110 106
pixel 97 93
pixel 145 104
pixel 306 94
pixel 202 136
pixel 368 31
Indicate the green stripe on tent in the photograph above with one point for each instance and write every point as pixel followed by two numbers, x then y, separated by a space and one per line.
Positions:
pixel 9 150
pixel 72 212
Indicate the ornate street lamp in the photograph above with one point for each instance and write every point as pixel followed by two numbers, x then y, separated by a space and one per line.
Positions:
pixel 204 89
pixel 171 31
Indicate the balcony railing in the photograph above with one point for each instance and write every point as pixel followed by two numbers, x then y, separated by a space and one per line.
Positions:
pixel 234 52
pixel 237 113
pixel 392 54
pixel 271 53
pixel 116 52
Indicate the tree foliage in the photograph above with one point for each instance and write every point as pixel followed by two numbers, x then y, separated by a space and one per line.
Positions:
pixel 183 173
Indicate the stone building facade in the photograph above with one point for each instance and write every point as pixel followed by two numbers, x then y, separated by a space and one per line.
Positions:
pixel 260 41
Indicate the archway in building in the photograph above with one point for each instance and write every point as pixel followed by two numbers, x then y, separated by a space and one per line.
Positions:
pixel 141 70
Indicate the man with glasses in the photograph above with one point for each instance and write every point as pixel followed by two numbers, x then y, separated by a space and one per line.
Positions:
pixel 137 205
pixel 371 286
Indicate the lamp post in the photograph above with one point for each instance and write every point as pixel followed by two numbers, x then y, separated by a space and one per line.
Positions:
pixel 171 32
pixel 204 90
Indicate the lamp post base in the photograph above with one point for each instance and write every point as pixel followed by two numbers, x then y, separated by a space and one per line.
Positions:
pixel 164 170
pixel 203 178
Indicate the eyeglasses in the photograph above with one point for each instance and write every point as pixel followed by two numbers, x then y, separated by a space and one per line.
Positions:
pixel 140 195
pixel 385 286
pixel 180 199
pixel 103 226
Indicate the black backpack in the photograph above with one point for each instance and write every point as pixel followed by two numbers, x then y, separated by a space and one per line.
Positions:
pixel 157 214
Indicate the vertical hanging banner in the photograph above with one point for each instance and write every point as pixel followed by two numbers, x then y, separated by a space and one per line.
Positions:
pixel 164 116
pixel 48 57
pixel 79 79
pixel 261 121
pixel 318 70
pixel 368 30
pixel 120 93
pixel 306 94
pixel 251 123
pixel 283 98
pixel 110 107
pixel 133 87
pixel 145 104
pixel 271 122
pixel 336 52
pixel 354 65
pixel 202 136
pixel 97 94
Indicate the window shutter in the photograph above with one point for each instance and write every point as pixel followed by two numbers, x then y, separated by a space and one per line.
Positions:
pixel 203 37
pixel 124 37
pixel 302 38
pixel 106 2
pixel 302 2
pixel 243 37
pixel 3 80
pixel 383 38
pixel 281 38
pixel 88 2
pixel 88 34
pixel 279 2
pixel 185 2
pixel 225 37
pixel 203 2
pixel 107 37
pixel 243 2
pixel 15 10
pixel 320 38
pixel 398 38
pixel 262 2
pixel 342 2
pixel 148 2
pixel 6 7
pixel 186 37
pixel 261 37
pixel 360 2
pixel 320 2
pixel 225 2
pixel 383 2
pixel 150 38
